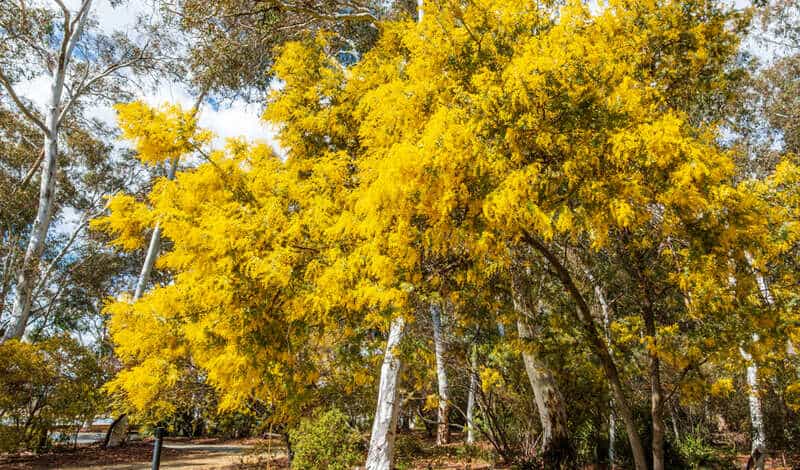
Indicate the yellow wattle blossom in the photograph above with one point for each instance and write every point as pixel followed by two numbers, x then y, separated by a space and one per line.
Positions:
pixel 159 134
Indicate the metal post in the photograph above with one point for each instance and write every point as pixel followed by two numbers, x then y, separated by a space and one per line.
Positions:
pixel 157 448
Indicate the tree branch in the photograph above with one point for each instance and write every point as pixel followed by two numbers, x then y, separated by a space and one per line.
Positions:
pixel 31 172
pixel 49 270
pixel 18 102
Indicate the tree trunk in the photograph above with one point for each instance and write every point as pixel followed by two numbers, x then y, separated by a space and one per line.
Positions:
pixel 473 388
pixel 674 419
pixel 612 435
pixel 605 311
pixel 759 439
pixel 557 450
pixel 117 432
pixel 155 245
pixel 656 392
pixel 600 348
pixel 657 414
pixel 442 417
pixel 754 400
pixel 381 444
pixel 26 276
pixel 612 421
pixel 28 270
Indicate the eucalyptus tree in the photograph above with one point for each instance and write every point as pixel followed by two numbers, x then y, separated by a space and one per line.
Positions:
pixel 76 272
pixel 50 46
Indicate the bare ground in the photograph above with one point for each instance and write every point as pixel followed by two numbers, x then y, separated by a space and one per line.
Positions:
pixel 176 454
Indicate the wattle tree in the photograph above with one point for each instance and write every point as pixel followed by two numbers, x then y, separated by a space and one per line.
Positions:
pixel 534 160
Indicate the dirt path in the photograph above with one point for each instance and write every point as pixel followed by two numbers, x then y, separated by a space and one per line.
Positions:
pixel 137 456
pixel 187 455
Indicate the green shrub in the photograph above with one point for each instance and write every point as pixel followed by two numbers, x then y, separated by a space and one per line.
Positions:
pixel 48 388
pixel 326 442
pixel 694 452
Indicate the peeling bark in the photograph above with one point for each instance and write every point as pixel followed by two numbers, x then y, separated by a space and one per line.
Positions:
pixel 557 450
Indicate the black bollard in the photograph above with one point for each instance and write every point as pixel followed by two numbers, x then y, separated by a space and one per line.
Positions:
pixel 157 448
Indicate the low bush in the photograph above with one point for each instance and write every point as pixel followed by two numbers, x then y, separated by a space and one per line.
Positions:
pixel 48 390
pixel 326 441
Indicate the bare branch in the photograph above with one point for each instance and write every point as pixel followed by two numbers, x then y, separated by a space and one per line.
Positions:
pixel 88 84
pixel 62 6
pixel 17 101
pixel 31 172
pixel 49 270
pixel 72 33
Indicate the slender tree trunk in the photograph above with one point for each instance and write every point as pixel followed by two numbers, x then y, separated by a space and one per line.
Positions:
pixel 442 417
pixel 28 269
pixel 759 440
pixel 381 444
pixel 674 419
pixel 155 238
pixel 612 435
pixel 154 247
pixel 473 389
pixel 141 284
pixel 656 393
pixel 657 414
pixel 612 419
pixel 605 311
pixel 754 400
pixel 600 348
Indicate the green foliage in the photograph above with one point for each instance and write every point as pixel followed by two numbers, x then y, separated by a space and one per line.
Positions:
pixel 52 384
pixel 508 415
pixel 693 451
pixel 326 441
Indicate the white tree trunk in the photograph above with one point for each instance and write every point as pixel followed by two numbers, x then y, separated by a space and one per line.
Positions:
pixel 473 389
pixel 612 420
pixel 556 445
pixel 442 419
pixel 754 400
pixel 759 438
pixel 769 300
pixel 153 250
pixel 28 270
pixel 381 444
pixel 154 247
